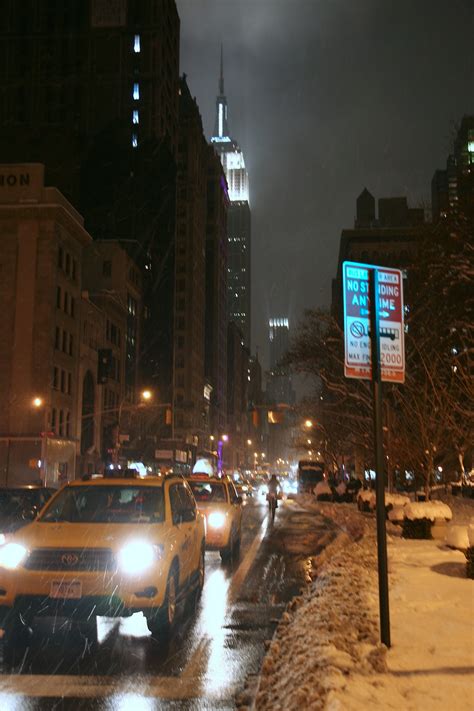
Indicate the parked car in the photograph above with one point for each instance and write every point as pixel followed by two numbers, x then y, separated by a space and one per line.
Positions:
pixel 19 505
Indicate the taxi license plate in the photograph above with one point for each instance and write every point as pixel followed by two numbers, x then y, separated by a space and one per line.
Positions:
pixel 66 590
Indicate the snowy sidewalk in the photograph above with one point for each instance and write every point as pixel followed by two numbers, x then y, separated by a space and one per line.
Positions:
pixel 326 653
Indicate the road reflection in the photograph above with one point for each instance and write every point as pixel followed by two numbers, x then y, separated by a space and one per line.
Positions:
pixel 215 646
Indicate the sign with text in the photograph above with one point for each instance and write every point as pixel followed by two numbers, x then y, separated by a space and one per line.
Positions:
pixel 357 355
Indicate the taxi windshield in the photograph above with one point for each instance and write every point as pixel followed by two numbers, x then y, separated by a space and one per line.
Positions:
pixel 208 491
pixel 106 504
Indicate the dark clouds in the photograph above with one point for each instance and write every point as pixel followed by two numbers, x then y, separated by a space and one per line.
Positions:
pixel 326 97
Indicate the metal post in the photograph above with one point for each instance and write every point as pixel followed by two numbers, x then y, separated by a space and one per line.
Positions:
pixel 379 462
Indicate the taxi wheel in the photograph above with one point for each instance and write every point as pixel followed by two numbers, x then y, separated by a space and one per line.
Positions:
pixel 236 551
pixel 201 574
pixel 228 552
pixel 162 623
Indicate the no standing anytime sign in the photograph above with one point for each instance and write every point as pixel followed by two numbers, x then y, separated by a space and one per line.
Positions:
pixel 357 356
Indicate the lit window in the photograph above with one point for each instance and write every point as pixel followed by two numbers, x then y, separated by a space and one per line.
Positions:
pixel 135 117
pixel 136 44
pixel 136 91
pixel 134 140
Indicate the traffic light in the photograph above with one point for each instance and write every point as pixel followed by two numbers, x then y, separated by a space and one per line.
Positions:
pixel 104 365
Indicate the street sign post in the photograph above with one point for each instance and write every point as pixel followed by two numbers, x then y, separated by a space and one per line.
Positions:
pixel 357 351
pixel 374 350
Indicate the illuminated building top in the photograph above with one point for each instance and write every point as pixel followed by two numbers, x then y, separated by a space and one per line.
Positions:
pixel 230 152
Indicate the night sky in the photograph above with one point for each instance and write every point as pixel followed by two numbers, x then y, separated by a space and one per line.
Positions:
pixel 326 97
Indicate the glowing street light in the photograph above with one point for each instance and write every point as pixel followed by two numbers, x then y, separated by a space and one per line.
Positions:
pixel 225 438
pixel 38 401
pixel 249 442
pixel 146 395
pixel 308 424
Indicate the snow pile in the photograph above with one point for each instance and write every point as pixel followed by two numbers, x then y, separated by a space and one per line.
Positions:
pixel 457 537
pixel 430 510
pixel 366 496
pixel 331 630
pixel 326 654
pixel 391 500
pixel 396 499
pixel 322 488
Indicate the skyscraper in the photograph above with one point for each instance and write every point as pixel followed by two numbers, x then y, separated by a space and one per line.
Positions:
pixel 238 219
pixel 279 387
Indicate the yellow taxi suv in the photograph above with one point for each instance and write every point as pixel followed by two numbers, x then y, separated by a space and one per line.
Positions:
pixel 219 501
pixel 105 547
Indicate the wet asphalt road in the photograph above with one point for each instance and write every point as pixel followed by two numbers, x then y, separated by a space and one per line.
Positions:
pixel 214 650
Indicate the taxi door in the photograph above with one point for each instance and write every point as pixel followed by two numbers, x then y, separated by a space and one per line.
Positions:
pixel 183 530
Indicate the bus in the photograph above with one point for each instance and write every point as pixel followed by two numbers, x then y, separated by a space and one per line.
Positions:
pixel 310 473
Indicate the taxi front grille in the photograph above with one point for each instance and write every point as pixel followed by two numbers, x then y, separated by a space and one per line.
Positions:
pixel 87 559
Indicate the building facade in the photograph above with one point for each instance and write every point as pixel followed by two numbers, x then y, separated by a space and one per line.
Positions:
pixel 43 239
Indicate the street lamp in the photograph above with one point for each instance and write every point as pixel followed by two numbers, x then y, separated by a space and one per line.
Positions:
pixel 308 424
pixel 37 402
pixel 146 395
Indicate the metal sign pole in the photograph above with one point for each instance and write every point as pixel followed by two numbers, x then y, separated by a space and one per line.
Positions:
pixel 379 462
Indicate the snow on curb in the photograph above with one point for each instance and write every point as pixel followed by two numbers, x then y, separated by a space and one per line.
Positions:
pixel 336 617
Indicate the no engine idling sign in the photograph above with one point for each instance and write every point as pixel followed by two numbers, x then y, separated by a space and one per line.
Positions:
pixel 357 355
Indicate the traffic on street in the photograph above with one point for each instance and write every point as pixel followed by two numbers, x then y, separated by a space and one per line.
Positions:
pixel 217 640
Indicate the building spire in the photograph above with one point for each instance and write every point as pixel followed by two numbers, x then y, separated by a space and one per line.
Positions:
pixel 221 129
pixel 221 78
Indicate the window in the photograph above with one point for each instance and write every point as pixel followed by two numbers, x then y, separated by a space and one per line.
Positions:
pixel 74 269
pixel 70 351
pixel 61 423
pixel 107 268
pixel 66 302
pixel 68 423
pixel 58 297
pixel 68 263
pixel 135 117
pixel 53 419
pixel 55 378
pixel 57 338
pixel 64 342
pixel 63 381
pixel 69 383
pixel 72 307
pixel 136 91
pixel 60 257
pixel 134 140
pixel 176 506
pixel 136 44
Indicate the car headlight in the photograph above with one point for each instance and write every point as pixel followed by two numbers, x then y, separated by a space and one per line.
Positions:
pixel 139 556
pixel 216 519
pixel 11 555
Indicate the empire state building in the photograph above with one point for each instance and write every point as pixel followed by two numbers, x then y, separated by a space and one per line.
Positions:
pixel 238 219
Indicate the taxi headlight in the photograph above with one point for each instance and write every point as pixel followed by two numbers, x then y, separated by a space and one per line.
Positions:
pixel 216 519
pixel 138 556
pixel 11 555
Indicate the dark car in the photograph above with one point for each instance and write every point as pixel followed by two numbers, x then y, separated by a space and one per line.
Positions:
pixel 18 505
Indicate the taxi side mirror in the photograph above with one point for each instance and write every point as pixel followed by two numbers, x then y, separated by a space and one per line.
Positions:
pixel 29 514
